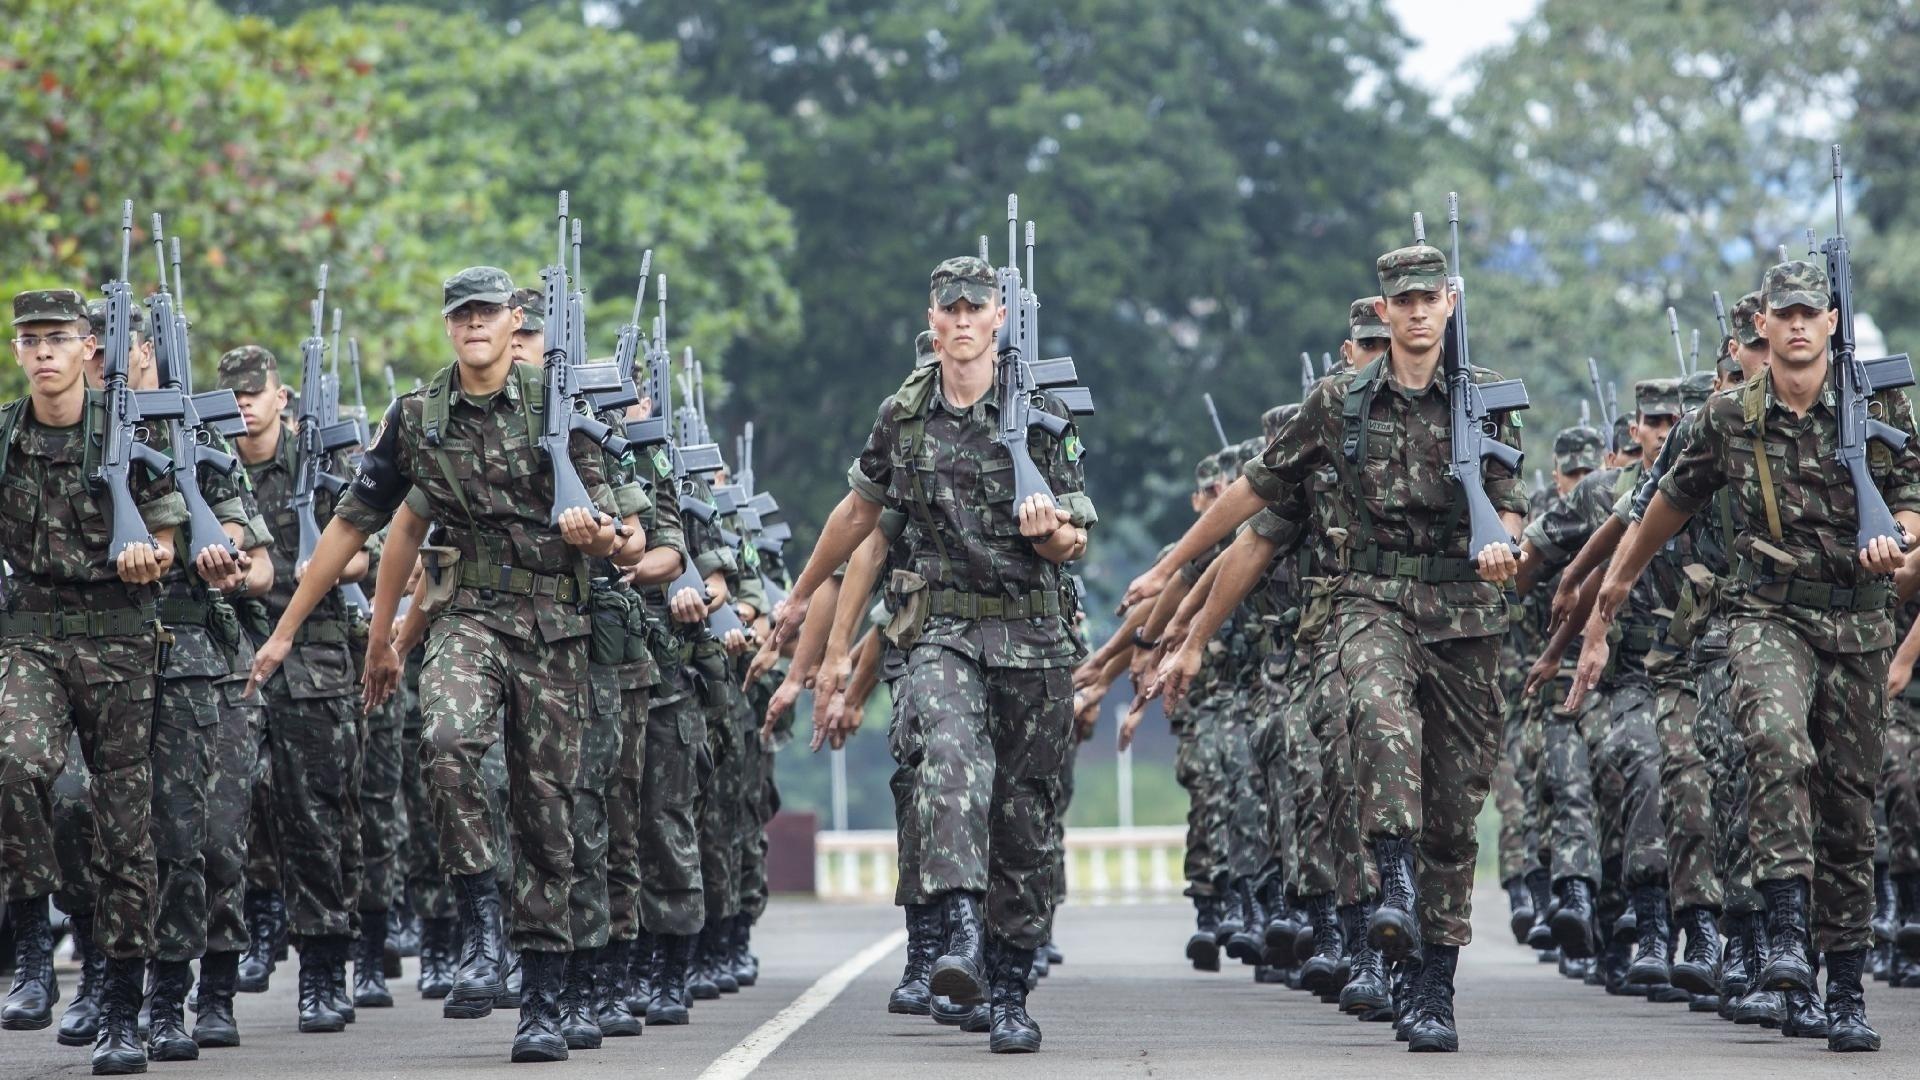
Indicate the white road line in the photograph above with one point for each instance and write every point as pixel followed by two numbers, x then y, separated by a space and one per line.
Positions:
pixel 739 1062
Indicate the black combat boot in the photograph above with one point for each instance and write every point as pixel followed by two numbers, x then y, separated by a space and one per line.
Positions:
pixel 116 1047
pixel 29 1005
pixel 1432 1029
pixel 81 1020
pixel 479 980
pixel 961 972
pixel 700 984
pixel 1615 960
pixel 976 1019
pixel 403 931
pixel 669 1002
pixel 263 928
pixel 167 1038
pixel 1651 958
pixel 1404 978
pixel 1519 909
pixel 370 964
pixel 1232 919
pixel 716 941
pixel 1806 1016
pixel 1055 957
pixel 1847 1030
pixel 1906 932
pixel 1885 899
pixel 1203 948
pixel 745 965
pixel 1573 919
pixel 610 1011
pixel 213 1023
pixel 946 1013
pixel 911 997
pixel 538 1037
pixel 1282 923
pixel 1695 972
pixel 1247 945
pixel 316 986
pixel 509 996
pixel 342 994
pixel 436 958
pixel 1317 974
pixel 1012 1030
pixel 577 1025
pixel 1366 990
pixel 1787 965
pixel 1733 964
pixel 1394 928
pixel 639 984
pixel 1540 888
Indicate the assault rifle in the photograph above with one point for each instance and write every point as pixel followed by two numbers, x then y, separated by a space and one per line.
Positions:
pixel 1474 405
pixel 318 438
pixel 1213 414
pixel 1307 378
pixel 1857 381
pixel 201 416
pixel 1720 316
pixel 1679 353
pixel 1021 376
pixel 1600 399
pixel 127 409
pixel 570 382
pixel 1326 363
pixel 626 349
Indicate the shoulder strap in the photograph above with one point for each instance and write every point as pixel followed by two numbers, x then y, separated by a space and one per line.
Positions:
pixel 910 404
pixel 10 415
pixel 435 404
pixel 1357 407
pixel 1753 406
pixel 533 398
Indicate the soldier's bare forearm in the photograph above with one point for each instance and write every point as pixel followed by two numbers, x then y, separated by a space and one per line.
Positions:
pixel 845 528
pixel 659 566
pixel 338 546
pixel 1600 547
pixel 1231 510
pixel 404 536
pixel 1239 569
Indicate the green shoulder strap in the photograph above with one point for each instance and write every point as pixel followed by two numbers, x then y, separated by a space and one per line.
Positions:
pixel 1753 407
pixel 1628 479
pixel 911 403
pixel 10 415
pixel 1354 412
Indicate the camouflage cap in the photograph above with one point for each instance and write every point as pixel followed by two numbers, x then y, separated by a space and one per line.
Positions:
pixel 534 303
pixel 476 285
pixel 1576 449
pixel 1229 459
pixel 1207 472
pixel 923 350
pixel 1796 284
pixel 1744 309
pixel 1272 420
pixel 97 316
pixel 1729 365
pixel 1364 323
pixel 1418 267
pixel 967 275
pixel 244 370
pixel 49 305
pixel 1248 449
pixel 1657 397
pixel 1695 389
pixel 1623 436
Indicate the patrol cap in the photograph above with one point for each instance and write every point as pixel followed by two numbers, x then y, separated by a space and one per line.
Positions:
pixel 1657 397
pixel 1248 449
pixel 1623 436
pixel 245 370
pixel 1744 309
pixel 97 317
pixel 965 275
pixel 534 303
pixel 476 285
pixel 1272 420
pixel 49 305
pixel 1207 472
pixel 1229 459
pixel 1695 389
pixel 1364 323
pixel 1796 284
pixel 923 351
pixel 1576 449
pixel 1416 268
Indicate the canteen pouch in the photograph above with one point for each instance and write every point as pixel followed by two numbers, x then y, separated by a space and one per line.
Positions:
pixel 441 566
pixel 639 631
pixel 223 623
pixel 911 603
pixel 1693 608
pixel 607 612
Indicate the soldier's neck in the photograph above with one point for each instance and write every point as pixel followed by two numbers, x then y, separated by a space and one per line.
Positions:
pixel 964 382
pixel 483 380
pixel 63 409
pixel 1414 370
pixel 256 447
pixel 1798 386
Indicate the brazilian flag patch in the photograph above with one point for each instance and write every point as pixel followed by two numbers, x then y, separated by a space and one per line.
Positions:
pixel 662 464
pixel 1073 448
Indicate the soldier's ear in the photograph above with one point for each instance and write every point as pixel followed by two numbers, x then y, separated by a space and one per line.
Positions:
pixel 1380 309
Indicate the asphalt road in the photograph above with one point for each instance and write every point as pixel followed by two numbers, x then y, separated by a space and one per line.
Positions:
pixel 1124 1005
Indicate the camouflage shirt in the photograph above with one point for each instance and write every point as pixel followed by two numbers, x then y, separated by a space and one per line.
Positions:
pixel 195 651
pixel 955 485
pixel 489 489
pixel 1560 533
pixel 1814 495
pixel 1401 497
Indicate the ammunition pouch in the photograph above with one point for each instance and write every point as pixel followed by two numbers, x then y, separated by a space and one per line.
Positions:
pixel 607 613
pixel 910 602
pixel 441 566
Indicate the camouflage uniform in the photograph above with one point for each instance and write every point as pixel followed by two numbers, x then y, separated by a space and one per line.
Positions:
pixel 313 737
pixel 1416 630
pixel 988 682
pixel 78 652
pixel 235 765
pixel 1809 645
pixel 1900 777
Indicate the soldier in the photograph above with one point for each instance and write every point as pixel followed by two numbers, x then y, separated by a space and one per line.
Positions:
pixel 1417 616
pixel 312 728
pixel 1811 634
pixel 79 652
pixel 988 672
pixel 508 653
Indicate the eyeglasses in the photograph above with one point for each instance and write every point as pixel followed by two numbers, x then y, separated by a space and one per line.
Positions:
pixel 32 342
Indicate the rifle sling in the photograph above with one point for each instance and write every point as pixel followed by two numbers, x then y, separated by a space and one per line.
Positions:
pixel 1753 402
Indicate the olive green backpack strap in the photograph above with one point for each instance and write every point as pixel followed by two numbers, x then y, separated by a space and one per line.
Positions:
pixel 910 404
pixel 1753 408
pixel 10 415
pixel 1355 410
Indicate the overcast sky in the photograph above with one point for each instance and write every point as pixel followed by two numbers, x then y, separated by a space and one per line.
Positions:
pixel 1447 34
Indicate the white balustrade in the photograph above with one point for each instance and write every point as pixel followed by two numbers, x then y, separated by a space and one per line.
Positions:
pixel 1104 865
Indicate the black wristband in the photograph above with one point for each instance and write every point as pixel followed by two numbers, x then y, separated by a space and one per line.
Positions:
pixel 1139 643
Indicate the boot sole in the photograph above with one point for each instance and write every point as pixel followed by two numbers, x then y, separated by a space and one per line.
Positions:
pixel 75 1040
pixel 1775 978
pixel 1429 1045
pixel 1573 934
pixel 1521 923
pixel 539 1050
pixel 1853 1044
pixel 174 1051
pixel 667 1017
pixel 1316 974
pixel 435 993
pixel 322 1027
pixel 963 984
pixel 1204 952
pixel 1365 1002
pixel 1392 933
pixel 622 1029
pixel 1693 977
pixel 215 1042
pixel 1648 975
pixel 119 1065
pixel 18 1023
pixel 1013 1044
pixel 458 1007
pixel 1244 948
pixel 584 1042
pixel 900 1006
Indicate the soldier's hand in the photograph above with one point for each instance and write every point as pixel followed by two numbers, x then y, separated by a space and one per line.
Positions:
pixel 1898 676
pixel 299 570
pixel 1594 652
pixel 687 607
pixel 1545 667
pixel 787 617
pixel 583 528
pixel 380 676
pixel 1565 596
pixel 1040 518
pixel 219 568
pixel 1883 555
pixel 1497 563
pixel 1145 587
pixel 1086 710
pixel 834 673
pixel 267 660
pixel 139 564
pixel 784 696
pixel 1129 724
pixel 734 642
pixel 763 661
pixel 1176 674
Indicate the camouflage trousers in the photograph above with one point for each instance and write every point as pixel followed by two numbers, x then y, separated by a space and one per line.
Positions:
pixel 1689 762
pixel 596 775
pixel 989 782
pixel 1600 772
pixel 1243 788
pixel 1266 737
pixel 1060 821
pixel 263 849
pixel 1521 739
pixel 623 818
pixel 908 749
pixel 760 800
pixel 1814 724
pixel 102 690
pixel 383 813
pixel 234 763
pixel 1199 763
pixel 1900 784
pixel 1313 859
pixel 1733 847
pixel 1426 729
pixel 426 883
pixel 1329 720
pixel 314 750
pixel 722 796
pixel 479 688
pixel 672 892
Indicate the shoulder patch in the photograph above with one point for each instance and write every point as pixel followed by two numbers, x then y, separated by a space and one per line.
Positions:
pixel 662 465
pixel 1073 448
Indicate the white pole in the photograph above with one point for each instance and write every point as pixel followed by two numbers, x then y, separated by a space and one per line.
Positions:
pixel 840 790
pixel 1124 771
